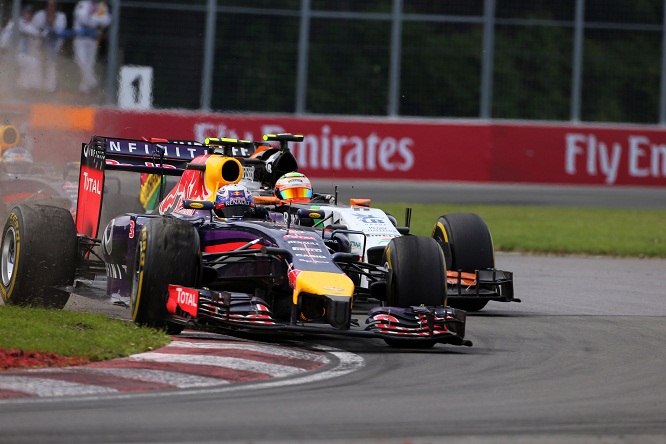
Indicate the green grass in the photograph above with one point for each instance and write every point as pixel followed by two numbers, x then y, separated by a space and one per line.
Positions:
pixel 550 230
pixel 73 334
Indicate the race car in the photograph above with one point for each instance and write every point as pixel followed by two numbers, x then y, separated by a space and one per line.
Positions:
pixel 464 238
pixel 185 265
pixel 22 180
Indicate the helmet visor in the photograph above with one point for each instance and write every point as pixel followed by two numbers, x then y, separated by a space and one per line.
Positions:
pixel 296 193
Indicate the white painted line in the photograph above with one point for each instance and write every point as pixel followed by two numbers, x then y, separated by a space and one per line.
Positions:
pixel 268 349
pixel 275 370
pixel 180 380
pixel 50 387
pixel 349 362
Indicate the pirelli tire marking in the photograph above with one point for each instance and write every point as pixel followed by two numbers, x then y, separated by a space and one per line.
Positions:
pixel 188 364
pixel 136 296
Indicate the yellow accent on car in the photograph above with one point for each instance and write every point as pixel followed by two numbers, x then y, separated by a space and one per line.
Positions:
pixel 220 141
pixel 9 136
pixel 222 170
pixel 323 283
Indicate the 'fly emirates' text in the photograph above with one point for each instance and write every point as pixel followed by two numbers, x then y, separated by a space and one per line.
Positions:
pixel 640 158
pixel 326 151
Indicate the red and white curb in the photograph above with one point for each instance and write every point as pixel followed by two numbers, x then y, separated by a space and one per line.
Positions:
pixel 186 363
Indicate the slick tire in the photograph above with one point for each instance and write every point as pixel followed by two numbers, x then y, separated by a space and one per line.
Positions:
pixel 167 253
pixel 417 272
pixel 39 253
pixel 417 276
pixel 468 246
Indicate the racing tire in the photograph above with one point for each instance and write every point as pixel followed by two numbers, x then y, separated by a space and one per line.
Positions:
pixel 39 252
pixel 168 252
pixel 417 276
pixel 468 246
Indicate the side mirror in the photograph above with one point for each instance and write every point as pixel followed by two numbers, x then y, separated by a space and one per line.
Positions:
pixel 198 204
pixel 305 213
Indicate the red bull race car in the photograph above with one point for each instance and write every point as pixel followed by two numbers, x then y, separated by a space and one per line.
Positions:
pixel 189 264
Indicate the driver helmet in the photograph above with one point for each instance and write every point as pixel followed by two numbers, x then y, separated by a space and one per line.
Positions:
pixel 295 187
pixel 17 161
pixel 233 201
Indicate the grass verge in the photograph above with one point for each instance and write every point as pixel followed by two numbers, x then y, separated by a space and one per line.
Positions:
pixel 93 336
pixel 551 230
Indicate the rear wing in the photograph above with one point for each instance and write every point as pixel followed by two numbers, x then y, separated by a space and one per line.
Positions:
pixel 267 164
pixel 262 163
pixel 154 156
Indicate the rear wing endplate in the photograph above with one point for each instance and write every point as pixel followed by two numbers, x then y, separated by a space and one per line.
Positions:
pixel 154 156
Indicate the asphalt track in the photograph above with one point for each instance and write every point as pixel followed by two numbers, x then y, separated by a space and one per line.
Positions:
pixel 640 198
pixel 580 360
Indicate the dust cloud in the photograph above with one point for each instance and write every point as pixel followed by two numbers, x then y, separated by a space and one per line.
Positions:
pixel 50 131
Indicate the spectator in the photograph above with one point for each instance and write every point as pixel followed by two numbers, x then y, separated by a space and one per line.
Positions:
pixel 27 49
pixel 52 24
pixel 5 35
pixel 91 17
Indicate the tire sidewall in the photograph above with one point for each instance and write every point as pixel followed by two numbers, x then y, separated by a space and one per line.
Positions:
pixel 9 296
pixel 136 277
pixel 45 256
pixel 417 272
pixel 439 233
pixel 467 238
pixel 161 242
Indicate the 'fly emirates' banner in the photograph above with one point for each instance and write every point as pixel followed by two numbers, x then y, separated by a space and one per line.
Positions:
pixel 414 149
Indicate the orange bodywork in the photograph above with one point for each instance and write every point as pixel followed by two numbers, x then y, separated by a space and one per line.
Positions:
pixel 360 202
pixel 465 278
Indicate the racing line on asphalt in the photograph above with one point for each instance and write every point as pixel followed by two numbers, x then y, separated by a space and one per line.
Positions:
pixel 188 362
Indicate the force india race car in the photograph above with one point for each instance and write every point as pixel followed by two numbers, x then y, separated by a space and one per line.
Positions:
pixel 464 238
pixel 182 266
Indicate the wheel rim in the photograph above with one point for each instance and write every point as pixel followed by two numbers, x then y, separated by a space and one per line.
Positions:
pixel 135 280
pixel 389 287
pixel 8 256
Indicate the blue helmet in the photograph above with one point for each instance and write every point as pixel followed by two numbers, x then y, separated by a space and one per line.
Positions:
pixel 233 200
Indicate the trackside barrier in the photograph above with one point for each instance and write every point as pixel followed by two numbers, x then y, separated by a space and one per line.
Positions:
pixel 409 149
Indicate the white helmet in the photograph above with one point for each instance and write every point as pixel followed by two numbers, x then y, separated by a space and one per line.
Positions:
pixel 295 187
pixel 233 200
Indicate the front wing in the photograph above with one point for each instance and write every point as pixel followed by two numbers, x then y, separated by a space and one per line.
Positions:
pixel 487 285
pixel 231 311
